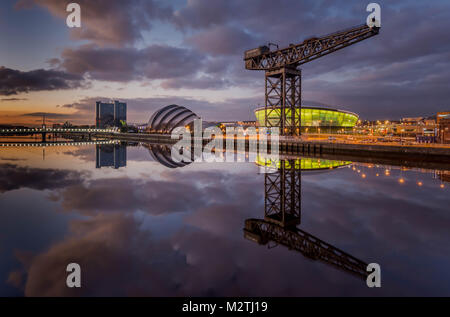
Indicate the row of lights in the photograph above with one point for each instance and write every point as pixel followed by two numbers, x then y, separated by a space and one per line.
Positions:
pixel 57 130
pixel 54 144
pixel 387 172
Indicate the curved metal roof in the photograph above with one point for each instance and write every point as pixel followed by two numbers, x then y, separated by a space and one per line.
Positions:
pixel 169 117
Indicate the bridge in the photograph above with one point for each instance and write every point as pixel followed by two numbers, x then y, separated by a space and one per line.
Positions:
pixel 50 144
pixel 53 130
pixel 44 131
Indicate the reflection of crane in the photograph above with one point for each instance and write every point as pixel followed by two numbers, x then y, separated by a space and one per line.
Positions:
pixel 283 77
pixel 282 214
pixel 263 232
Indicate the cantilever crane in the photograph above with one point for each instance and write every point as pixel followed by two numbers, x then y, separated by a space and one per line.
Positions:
pixel 283 76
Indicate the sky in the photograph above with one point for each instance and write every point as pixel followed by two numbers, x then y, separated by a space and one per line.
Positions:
pixel 151 53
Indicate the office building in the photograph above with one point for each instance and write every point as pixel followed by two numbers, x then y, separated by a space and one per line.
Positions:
pixel 120 113
pixel 443 122
pixel 110 114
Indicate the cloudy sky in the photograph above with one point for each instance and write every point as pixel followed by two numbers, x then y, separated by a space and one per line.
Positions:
pixel 151 53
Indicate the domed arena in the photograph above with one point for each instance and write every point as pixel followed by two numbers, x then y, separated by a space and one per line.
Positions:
pixel 169 117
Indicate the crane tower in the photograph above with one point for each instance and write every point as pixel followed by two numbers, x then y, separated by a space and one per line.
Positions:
pixel 283 75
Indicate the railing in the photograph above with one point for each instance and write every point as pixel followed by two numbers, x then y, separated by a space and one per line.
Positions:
pixel 47 144
pixel 50 130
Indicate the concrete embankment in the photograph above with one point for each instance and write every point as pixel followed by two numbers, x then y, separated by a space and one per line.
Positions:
pixel 425 153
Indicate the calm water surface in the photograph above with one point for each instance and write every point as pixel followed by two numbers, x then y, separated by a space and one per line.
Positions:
pixel 138 227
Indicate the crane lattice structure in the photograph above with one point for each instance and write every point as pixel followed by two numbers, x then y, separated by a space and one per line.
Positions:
pixel 282 205
pixel 282 214
pixel 283 75
pixel 263 232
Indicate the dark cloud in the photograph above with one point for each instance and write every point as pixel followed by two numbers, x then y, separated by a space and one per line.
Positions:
pixel 16 177
pixel 109 22
pixel 12 99
pixel 102 246
pixel 121 194
pixel 201 14
pixel 49 115
pixel 203 82
pixel 16 279
pixel 222 40
pixel 274 21
pixel 86 154
pixel 152 196
pixel 13 82
pixel 111 64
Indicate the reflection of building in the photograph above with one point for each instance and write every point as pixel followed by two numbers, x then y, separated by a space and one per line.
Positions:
pixel 443 122
pixel 111 155
pixel 444 176
pixel 163 154
pixel 312 118
pixel 243 124
pixel 110 114
pixel 304 163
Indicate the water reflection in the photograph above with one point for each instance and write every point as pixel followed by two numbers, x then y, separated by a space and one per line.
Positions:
pixel 282 214
pixel 162 154
pixel 149 229
pixel 111 155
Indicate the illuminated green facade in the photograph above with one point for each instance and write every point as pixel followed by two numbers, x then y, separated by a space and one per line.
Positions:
pixel 304 164
pixel 311 117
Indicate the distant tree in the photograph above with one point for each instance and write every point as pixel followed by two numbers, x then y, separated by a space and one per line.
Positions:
pixel 123 126
pixel 67 124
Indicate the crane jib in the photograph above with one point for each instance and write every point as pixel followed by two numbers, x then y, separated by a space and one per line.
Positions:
pixel 262 58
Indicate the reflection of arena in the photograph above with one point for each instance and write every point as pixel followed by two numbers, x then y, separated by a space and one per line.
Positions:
pixel 303 164
pixel 312 118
